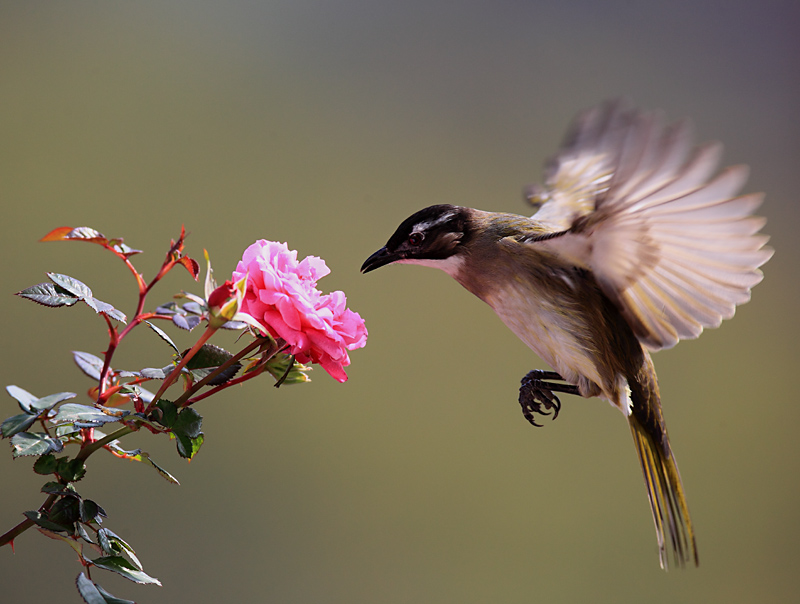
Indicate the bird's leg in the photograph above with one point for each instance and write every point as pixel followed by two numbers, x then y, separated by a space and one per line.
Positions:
pixel 536 396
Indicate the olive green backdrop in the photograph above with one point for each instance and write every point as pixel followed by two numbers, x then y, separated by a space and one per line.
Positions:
pixel 324 124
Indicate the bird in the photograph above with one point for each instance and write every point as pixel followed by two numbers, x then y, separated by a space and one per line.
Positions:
pixel 638 241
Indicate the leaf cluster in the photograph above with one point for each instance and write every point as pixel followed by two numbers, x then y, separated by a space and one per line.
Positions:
pixel 120 403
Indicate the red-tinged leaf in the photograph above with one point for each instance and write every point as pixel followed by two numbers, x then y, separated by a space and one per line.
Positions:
pixel 191 266
pixel 125 250
pixel 48 294
pixel 77 234
pixel 59 234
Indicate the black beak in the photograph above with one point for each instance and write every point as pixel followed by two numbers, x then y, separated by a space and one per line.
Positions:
pixel 380 258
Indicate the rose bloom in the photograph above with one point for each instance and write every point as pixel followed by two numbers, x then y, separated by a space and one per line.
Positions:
pixel 282 294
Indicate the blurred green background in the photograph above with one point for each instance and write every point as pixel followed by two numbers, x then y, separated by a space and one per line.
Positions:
pixel 324 124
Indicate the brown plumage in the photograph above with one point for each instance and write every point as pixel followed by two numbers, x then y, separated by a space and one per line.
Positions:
pixel 635 246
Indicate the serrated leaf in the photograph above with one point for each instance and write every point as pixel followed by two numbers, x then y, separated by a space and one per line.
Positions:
pixel 88 590
pixel 86 417
pixel 194 308
pixel 56 488
pixel 48 294
pixel 49 401
pixel 163 335
pixel 99 306
pixel 186 322
pixel 191 266
pixel 17 423
pixel 166 475
pixel 153 373
pixel 65 512
pixel 75 234
pixel 88 363
pixel 72 285
pixel 208 359
pixel 122 567
pixel 25 443
pixel 234 325
pixel 89 511
pixel 40 520
pixel 23 397
pixel 168 413
pixel 45 465
pixel 170 308
pixel 188 422
pixel 114 545
pixel 71 470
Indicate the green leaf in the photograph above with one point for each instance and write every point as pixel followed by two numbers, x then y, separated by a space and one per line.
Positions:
pixel 65 512
pixel 169 413
pixel 72 285
pixel 71 470
pixel 45 465
pixel 24 398
pixel 162 334
pixel 114 545
pixel 209 358
pixel 91 512
pixel 166 475
pixel 88 591
pixel 25 443
pixel 86 417
pixel 48 294
pixel 40 520
pixel 17 423
pixel 122 567
pixel 51 400
pixel 280 364
pixel 188 422
pixel 188 447
pixel 56 488
pixel 88 363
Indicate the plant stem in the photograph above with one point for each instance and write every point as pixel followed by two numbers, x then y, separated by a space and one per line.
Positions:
pixel 259 341
pixel 92 447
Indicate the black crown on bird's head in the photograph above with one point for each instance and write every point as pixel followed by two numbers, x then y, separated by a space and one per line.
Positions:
pixel 434 233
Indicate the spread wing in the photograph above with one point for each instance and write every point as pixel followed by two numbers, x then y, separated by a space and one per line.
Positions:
pixel 668 241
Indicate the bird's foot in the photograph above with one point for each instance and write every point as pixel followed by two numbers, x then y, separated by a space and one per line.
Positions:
pixel 537 396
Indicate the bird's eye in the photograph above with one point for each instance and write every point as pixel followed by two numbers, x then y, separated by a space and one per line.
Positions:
pixel 415 239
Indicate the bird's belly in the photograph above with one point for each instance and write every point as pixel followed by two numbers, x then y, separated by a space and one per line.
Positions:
pixel 558 338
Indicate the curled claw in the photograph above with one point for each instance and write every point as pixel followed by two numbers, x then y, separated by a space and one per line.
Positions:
pixel 538 397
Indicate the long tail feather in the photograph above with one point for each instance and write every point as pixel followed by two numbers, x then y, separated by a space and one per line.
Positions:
pixel 664 488
pixel 663 481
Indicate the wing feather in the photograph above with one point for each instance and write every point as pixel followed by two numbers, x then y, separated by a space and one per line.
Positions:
pixel 671 243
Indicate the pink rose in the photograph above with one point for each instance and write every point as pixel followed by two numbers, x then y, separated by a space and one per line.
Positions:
pixel 282 294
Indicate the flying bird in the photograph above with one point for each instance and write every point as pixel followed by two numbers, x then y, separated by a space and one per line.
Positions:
pixel 637 242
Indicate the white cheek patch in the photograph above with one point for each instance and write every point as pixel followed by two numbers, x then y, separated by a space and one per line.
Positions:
pixel 451 265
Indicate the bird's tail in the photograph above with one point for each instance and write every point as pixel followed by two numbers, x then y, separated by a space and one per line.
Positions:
pixel 664 489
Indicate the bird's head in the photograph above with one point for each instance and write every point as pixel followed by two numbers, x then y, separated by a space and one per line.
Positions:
pixel 434 236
